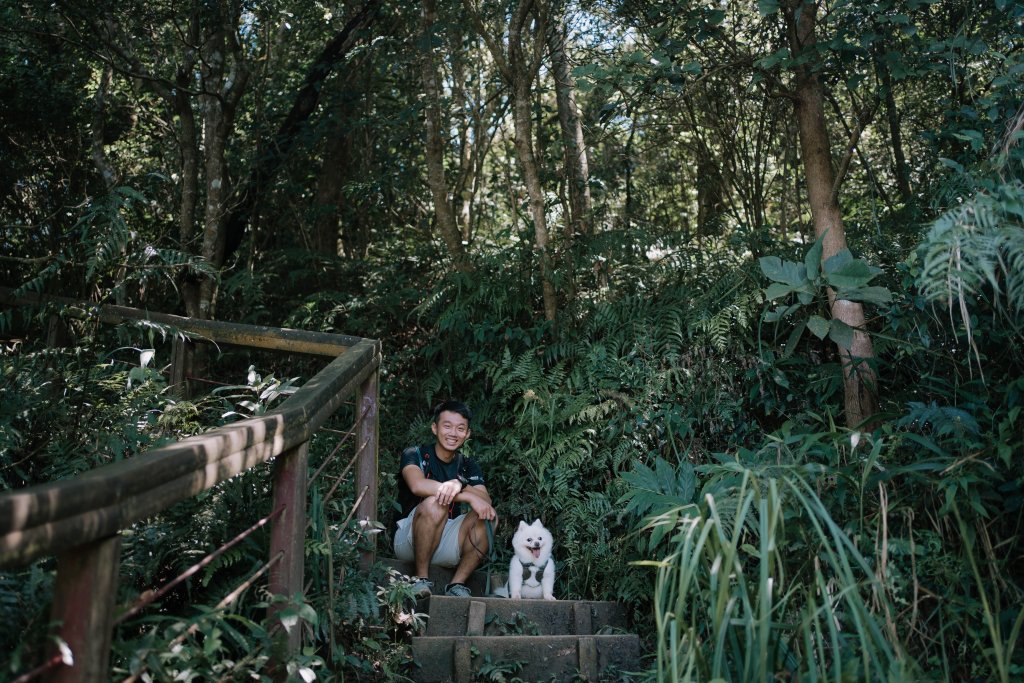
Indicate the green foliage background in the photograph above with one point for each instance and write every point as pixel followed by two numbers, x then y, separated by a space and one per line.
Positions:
pixel 679 426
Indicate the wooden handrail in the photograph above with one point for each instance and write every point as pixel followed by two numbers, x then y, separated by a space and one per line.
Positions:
pixel 43 519
pixel 238 334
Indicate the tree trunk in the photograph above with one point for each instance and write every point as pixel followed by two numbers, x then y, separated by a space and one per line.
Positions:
pixel 892 116
pixel 328 197
pixel 577 169
pixel 444 214
pixel 519 69
pixel 859 378
pixel 99 116
pixel 224 81
pixel 522 71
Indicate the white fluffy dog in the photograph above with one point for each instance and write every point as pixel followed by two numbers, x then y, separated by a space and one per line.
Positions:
pixel 531 572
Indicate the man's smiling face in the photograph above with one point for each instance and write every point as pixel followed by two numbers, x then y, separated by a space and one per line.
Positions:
pixel 451 430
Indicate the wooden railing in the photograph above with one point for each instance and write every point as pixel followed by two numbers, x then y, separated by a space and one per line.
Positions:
pixel 79 520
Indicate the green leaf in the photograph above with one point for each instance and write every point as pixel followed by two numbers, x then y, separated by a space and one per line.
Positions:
pixel 779 313
pixel 854 273
pixel 777 270
pixel 812 261
pixel 780 55
pixel 794 337
pixel 777 289
pixel 838 260
pixel 841 334
pixel 818 325
pixel 880 296
pixel 767 7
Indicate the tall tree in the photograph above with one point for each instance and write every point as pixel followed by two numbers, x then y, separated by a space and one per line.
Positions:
pixel 859 377
pixel 444 213
pixel 518 61
pixel 577 168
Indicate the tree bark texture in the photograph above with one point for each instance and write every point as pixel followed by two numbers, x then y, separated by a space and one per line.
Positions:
pixel 859 378
pixel 444 213
pixel 99 155
pixel 522 70
pixel 577 168
pixel 892 117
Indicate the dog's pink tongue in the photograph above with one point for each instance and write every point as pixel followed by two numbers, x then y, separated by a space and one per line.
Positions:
pixel 536 552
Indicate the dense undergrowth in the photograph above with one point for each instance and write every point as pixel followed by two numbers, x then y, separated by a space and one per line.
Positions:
pixel 686 449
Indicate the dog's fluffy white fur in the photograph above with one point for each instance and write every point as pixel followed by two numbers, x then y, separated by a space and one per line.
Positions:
pixel 531 572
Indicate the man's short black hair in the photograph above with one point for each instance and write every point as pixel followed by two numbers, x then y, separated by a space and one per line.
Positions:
pixel 452 407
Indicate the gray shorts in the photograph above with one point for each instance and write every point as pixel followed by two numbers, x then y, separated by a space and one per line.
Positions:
pixel 447 553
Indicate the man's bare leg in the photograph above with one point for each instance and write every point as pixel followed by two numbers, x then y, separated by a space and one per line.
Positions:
pixel 472 547
pixel 427 527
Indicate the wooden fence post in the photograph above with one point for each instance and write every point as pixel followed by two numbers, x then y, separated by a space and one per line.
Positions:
pixel 181 362
pixel 366 474
pixel 288 536
pixel 84 596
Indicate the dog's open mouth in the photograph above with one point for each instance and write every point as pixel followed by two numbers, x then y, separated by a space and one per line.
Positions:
pixel 536 552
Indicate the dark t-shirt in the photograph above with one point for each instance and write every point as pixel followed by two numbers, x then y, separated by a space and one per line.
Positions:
pixel 425 457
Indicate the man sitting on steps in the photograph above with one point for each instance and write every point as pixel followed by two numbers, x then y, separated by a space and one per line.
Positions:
pixel 436 483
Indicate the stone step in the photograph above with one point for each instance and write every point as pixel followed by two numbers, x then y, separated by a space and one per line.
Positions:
pixel 456 659
pixel 502 616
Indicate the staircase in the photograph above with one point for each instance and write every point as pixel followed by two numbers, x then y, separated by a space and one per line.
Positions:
pixel 534 640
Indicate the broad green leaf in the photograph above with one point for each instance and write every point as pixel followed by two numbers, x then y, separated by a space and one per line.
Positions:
pixel 776 290
pixel 777 270
pixel 776 57
pixel 837 260
pixel 779 313
pixel 771 266
pixel 841 334
pixel 880 296
pixel 812 261
pixel 818 325
pixel 855 273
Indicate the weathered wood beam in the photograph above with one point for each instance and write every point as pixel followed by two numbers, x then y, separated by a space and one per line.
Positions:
pixel 216 331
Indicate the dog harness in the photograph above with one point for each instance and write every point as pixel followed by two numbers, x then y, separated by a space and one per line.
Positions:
pixel 536 572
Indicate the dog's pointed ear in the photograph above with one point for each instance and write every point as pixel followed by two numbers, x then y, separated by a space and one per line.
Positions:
pixel 522 525
pixel 537 522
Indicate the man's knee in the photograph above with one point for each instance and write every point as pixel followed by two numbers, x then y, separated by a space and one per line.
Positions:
pixel 429 512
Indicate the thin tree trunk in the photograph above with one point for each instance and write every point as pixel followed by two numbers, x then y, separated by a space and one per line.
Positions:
pixel 892 117
pixel 444 213
pixel 859 378
pixel 522 73
pixel 327 200
pixel 577 168
pixel 99 116
pixel 225 78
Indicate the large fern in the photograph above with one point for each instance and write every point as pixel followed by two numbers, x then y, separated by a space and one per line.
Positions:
pixel 974 254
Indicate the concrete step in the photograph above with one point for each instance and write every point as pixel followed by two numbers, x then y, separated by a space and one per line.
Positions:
pixel 545 658
pixel 502 616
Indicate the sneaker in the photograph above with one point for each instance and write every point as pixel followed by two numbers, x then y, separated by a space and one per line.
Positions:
pixel 457 590
pixel 421 588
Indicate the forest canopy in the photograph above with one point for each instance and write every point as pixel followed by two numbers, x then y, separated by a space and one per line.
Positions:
pixel 726 284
